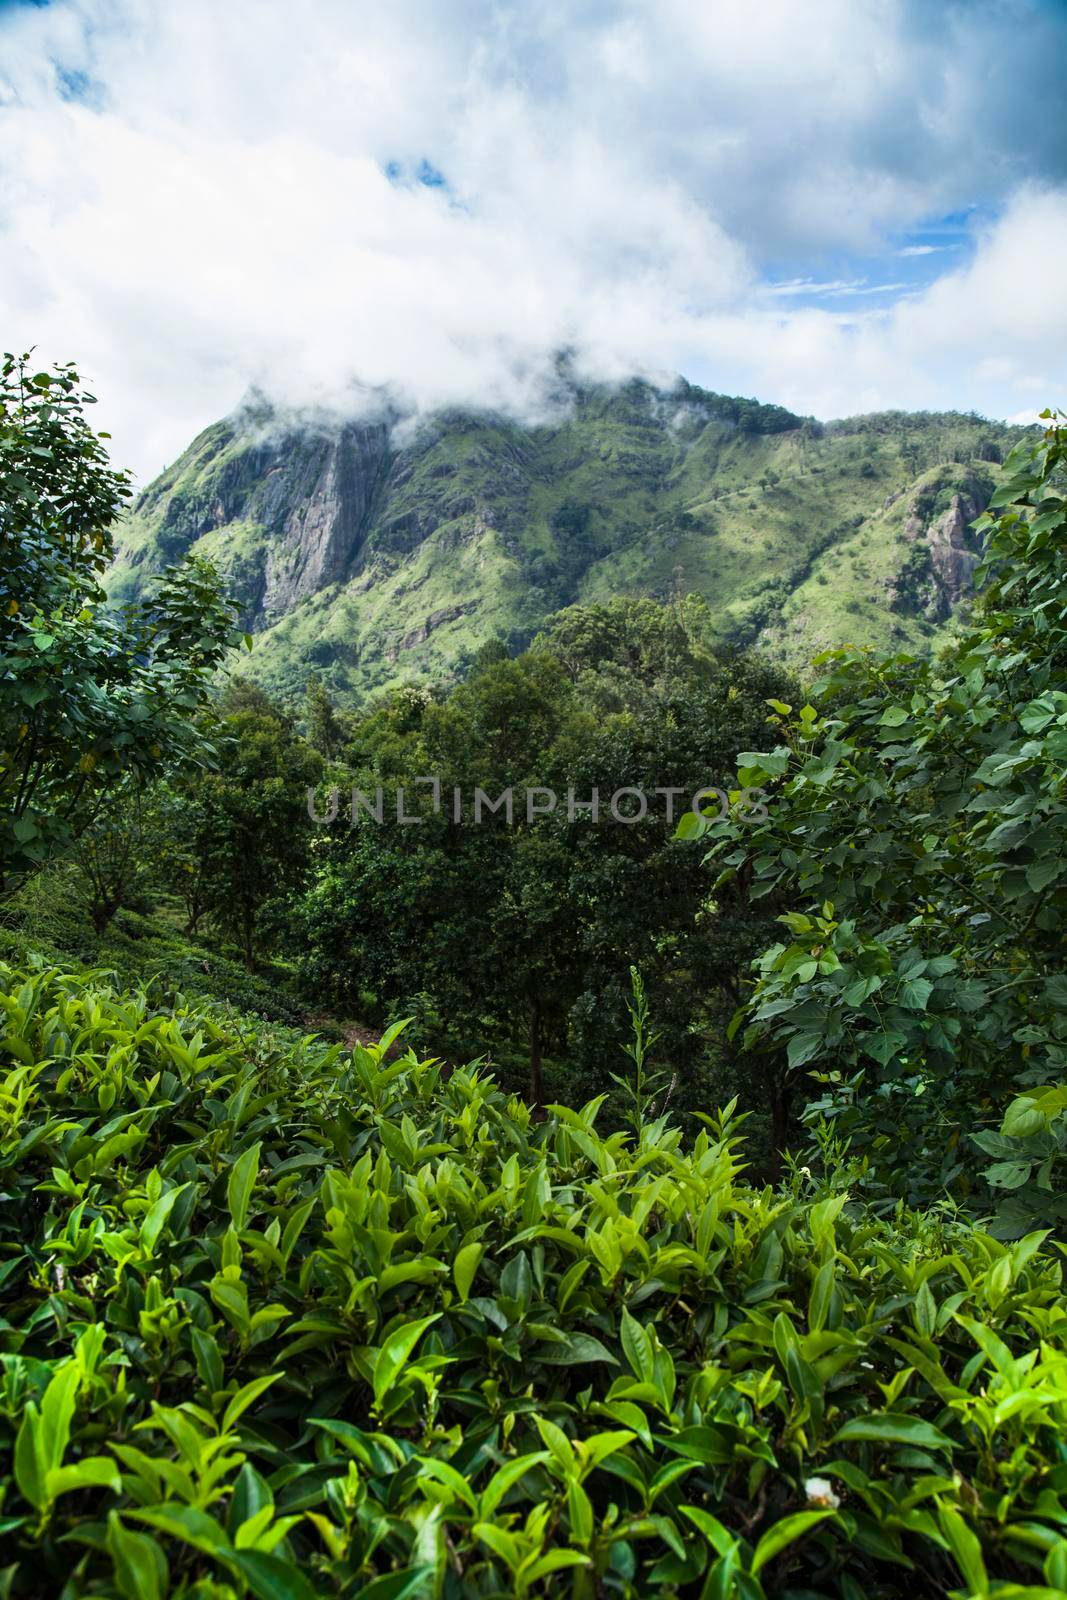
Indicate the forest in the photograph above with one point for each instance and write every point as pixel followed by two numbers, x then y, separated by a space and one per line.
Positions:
pixel 414 1198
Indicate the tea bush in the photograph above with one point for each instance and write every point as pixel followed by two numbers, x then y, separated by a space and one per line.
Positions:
pixel 285 1321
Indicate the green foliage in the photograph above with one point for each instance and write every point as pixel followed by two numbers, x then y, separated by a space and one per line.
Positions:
pixel 50 922
pixel 92 701
pixel 919 817
pixel 292 1322
pixel 522 935
pixel 438 537
pixel 238 836
pixel 114 856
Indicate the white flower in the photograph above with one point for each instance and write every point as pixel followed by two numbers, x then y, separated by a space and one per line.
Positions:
pixel 820 1492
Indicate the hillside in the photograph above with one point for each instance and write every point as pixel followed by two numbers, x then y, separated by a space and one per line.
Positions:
pixel 388 547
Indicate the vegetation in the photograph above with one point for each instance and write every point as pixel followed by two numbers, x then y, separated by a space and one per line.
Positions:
pixel 91 701
pixel 286 1322
pixel 474 527
pixel 517 936
pixel 288 1314
pixel 919 831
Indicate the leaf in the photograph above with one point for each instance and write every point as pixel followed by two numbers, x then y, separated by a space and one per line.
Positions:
pixel 554 1561
pixel 720 1538
pixel 208 1359
pixel 57 1410
pixel 599 1446
pixel 505 1478
pixel 141 1570
pixel 1041 873
pixel 465 1267
pixel 1008 1174
pixel 28 1467
pixel 232 1301
pixel 271 1578
pixel 92 1472
pixel 887 1427
pixel 1022 1118
pixel 424 1270
pixel 690 826
pixel 156 1216
pixel 246 1396
pixel 396 1585
pixel 925 1311
pixel 914 993
pixel 711 1446
pixel 557 1443
pixel 240 1184
pixel 251 1495
pixel 449 1478
pixel 580 1514
pixel 637 1347
pixel 577 1348
pixel 394 1353
pixel 966 1548
pixel 803 1047
pixel 785 1533
pixel 187 1523
pixel 822 1290
pixel 393 1032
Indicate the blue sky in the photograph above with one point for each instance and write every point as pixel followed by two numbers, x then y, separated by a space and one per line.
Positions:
pixel 841 205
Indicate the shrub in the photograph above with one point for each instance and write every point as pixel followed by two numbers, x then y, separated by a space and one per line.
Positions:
pixel 285 1321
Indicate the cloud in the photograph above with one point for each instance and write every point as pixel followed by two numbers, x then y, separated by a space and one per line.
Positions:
pixel 194 199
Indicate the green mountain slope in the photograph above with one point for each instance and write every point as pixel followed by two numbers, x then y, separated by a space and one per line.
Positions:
pixel 388 547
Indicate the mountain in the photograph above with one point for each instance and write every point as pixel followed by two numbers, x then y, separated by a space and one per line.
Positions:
pixel 387 547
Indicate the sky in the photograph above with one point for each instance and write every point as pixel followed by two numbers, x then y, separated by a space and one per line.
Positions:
pixel 835 205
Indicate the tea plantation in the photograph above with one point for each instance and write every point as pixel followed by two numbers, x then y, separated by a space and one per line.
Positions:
pixel 284 1320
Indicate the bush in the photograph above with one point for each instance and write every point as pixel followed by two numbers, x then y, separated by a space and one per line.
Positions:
pixel 285 1321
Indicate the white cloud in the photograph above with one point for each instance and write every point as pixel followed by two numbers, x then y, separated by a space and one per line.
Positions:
pixel 212 210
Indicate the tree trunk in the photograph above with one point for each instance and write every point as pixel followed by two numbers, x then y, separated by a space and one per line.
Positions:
pixel 537 1087
pixel 102 912
pixel 781 1103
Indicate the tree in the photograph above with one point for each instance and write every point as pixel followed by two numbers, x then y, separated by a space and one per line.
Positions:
pixel 116 855
pixel 918 833
pixel 248 823
pixel 524 931
pixel 92 701
pixel 323 727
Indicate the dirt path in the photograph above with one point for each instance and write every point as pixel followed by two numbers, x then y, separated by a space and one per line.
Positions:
pixel 353 1033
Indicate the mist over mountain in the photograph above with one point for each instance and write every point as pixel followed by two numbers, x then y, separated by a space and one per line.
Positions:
pixel 392 545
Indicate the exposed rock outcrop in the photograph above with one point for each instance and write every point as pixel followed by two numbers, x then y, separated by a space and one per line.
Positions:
pixel 327 515
pixel 938 571
pixel 954 554
pixel 420 634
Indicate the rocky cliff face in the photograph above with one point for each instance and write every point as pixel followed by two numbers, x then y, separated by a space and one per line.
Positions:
pixel 954 552
pixel 938 570
pixel 375 549
pixel 307 493
pixel 324 497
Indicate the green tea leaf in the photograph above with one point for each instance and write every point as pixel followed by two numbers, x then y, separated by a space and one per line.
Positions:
pixel 886 1427
pixel 785 1533
pixel 240 1184
pixel 394 1354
